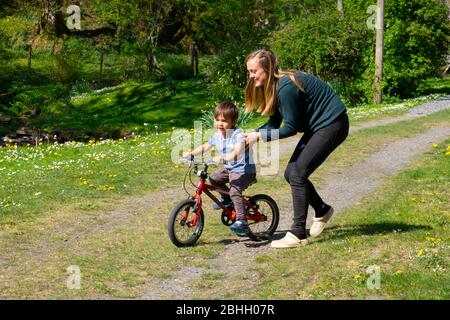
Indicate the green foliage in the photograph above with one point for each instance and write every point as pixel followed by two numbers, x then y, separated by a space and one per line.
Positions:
pixel 306 34
pixel 80 88
pixel 14 31
pixel 340 48
pixel 231 23
pixel 416 43
pixel 176 66
pixel 229 74
pixel 325 43
pixel 65 67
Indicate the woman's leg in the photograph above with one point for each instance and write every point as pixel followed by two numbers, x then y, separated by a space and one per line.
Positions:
pixel 310 153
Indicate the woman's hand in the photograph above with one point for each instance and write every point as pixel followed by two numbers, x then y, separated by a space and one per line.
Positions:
pixel 217 159
pixel 252 137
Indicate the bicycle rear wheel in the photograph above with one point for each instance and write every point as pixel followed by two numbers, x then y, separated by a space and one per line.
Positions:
pixel 267 223
pixel 181 231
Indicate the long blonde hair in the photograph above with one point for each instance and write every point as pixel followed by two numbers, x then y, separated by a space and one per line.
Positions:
pixel 264 99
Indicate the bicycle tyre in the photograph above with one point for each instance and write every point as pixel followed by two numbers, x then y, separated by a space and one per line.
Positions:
pixel 176 228
pixel 262 230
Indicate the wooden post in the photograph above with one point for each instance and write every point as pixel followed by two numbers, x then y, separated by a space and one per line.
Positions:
pixel 378 91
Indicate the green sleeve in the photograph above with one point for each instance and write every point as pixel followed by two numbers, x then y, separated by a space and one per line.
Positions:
pixel 288 105
pixel 273 124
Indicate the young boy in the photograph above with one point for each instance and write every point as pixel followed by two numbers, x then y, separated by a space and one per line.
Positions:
pixel 239 169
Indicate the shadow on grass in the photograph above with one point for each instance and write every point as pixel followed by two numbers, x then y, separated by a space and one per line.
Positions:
pixel 249 243
pixel 332 233
pixel 130 107
pixel 428 91
pixel 346 231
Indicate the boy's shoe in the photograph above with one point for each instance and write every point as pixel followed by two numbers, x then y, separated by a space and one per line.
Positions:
pixel 289 241
pixel 226 201
pixel 239 227
pixel 319 223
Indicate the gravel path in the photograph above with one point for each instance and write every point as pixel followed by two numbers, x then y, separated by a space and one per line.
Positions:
pixel 341 189
pixel 432 106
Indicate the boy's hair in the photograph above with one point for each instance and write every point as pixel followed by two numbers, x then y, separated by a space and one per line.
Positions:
pixel 228 110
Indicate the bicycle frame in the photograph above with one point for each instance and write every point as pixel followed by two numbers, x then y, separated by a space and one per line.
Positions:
pixel 186 221
pixel 203 187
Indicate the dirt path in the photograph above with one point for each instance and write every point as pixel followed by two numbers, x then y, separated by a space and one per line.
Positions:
pixel 341 189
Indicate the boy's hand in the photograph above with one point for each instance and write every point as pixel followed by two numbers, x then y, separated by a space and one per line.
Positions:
pixel 187 154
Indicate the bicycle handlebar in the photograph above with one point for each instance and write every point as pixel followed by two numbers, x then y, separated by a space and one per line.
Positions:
pixel 193 160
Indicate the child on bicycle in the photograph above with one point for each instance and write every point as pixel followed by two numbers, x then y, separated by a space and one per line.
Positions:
pixel 239 168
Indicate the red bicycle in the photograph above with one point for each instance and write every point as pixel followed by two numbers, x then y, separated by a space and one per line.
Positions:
pixel 187 219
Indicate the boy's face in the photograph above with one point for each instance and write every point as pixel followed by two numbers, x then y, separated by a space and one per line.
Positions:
pixel 222 124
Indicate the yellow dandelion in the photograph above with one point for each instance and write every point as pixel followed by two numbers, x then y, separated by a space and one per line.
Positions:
pixel 435 145
pixel 357 276
pixel 420 253
pixel 398 272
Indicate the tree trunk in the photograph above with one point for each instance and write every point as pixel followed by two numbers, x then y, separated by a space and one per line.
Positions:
pixel 30 55
pixel 152 63
pixel 102 53
pixel 378 94
pixel 340 6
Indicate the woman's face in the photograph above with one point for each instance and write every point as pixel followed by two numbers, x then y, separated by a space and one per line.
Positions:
pixel 256 72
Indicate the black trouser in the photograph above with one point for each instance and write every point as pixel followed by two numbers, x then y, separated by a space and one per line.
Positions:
pixel 310 153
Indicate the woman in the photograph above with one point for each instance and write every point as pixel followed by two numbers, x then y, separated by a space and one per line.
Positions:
pixel 306 104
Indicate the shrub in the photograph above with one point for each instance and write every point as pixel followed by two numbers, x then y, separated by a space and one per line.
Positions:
pixel 80 88
pixel 176 66
pixel 229 74
pixel 327 44
pixel 322 42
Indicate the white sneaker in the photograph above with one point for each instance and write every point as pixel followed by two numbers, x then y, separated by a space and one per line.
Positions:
pixel 319 223
pixel 289 241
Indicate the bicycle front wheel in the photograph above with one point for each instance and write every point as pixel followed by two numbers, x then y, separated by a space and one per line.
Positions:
pixel 180 226
pixel 263 219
